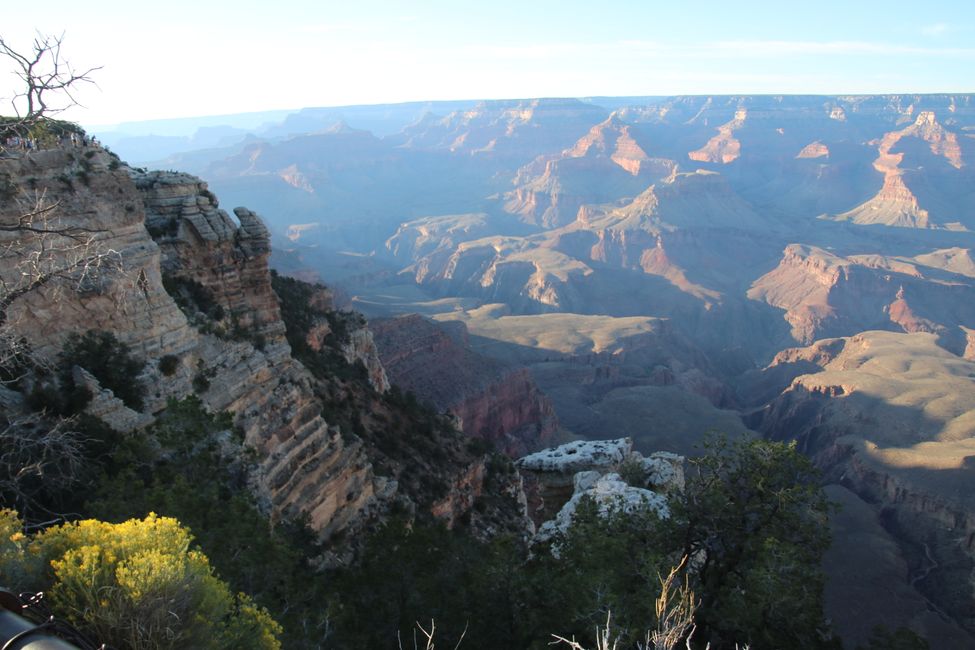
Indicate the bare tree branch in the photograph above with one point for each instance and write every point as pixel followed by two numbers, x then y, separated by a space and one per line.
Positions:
pixel 48 84
pixel 42 251
pixel 33 451
pixel 37 250
pixel 45 72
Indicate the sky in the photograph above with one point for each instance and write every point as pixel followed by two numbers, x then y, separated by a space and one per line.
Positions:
pixel 210 57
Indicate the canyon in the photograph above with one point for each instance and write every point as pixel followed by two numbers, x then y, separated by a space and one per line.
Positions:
pixel 190 293
pixel 554 271
pixel 796 267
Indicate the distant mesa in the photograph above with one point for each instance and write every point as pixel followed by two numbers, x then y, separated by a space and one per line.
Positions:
pixel 295 231
pixel 723 148
pixel 615 139
pixel 814 150
pixel 896 204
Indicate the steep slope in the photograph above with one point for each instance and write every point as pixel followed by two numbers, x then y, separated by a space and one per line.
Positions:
pixel 892 418
pixel 724 147
pixel 824 295
pixel 305 463
pixel 490 399
pixel 605 165
pixel 896 204
pixel 200 295
pixel 635 374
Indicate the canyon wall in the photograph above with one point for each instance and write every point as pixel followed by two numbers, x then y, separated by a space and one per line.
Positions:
pixel 489 399
pixel 191 284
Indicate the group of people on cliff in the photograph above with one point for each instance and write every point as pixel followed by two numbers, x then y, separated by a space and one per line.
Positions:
pixel 28 143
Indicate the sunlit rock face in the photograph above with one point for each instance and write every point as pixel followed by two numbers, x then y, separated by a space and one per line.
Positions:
pixel 890 416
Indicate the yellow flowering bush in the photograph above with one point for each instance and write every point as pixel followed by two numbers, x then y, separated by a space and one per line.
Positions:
pixel 13 558
pixel 137 584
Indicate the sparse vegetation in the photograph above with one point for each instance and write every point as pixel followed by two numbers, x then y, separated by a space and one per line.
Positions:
pixel 168 364
pixel 622 564
pixel 194 299
pixel 109 360
pixel 201 380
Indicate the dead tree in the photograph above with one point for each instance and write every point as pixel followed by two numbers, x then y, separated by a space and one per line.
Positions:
pixel 36 450
pixel 48 85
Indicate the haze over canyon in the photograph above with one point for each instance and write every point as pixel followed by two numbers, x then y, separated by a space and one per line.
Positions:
pixel 795 266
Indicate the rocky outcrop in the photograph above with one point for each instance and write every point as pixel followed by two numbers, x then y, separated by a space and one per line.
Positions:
pixel 98 197
pixel 969 352
pixel 614 139
pixel 724 147
pixel 558 479
pixel 489 399
pixel 814 150
pixel 201 243
pixel 106 407
pixel 825 295
pixel 611 494
pixel 305 464
pixel 361 347
pixel 606 165
pixel 896 204
pixel 574 457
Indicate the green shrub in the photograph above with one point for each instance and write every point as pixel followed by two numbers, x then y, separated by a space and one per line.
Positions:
pixel 631 470
pixel 66 400
pixel 201 383
pixel 109 360
pixel 190 296
pixel 168 364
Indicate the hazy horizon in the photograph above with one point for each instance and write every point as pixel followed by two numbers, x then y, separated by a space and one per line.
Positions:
pixel 194 60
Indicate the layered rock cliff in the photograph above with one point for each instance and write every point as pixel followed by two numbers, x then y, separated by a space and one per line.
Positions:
pixel 823 294
pixel 192 285
pixel 239 354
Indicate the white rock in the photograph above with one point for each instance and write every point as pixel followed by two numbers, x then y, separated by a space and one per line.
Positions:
pixel 574 456
pixel 664 470
pixel 585 480
pixel 611 494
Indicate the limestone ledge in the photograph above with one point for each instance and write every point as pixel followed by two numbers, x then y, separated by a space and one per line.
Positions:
pixel 555 479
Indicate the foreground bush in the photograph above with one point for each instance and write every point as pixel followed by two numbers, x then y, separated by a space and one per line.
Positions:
pixel 135 585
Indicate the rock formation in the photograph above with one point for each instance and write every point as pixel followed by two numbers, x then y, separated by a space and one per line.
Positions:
pixel 896 204
pixel 222 324
pixel 489 399
pixel 889 416
pixel 724 147
pixel 824 295
pixel 656 300
pixel 558 479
